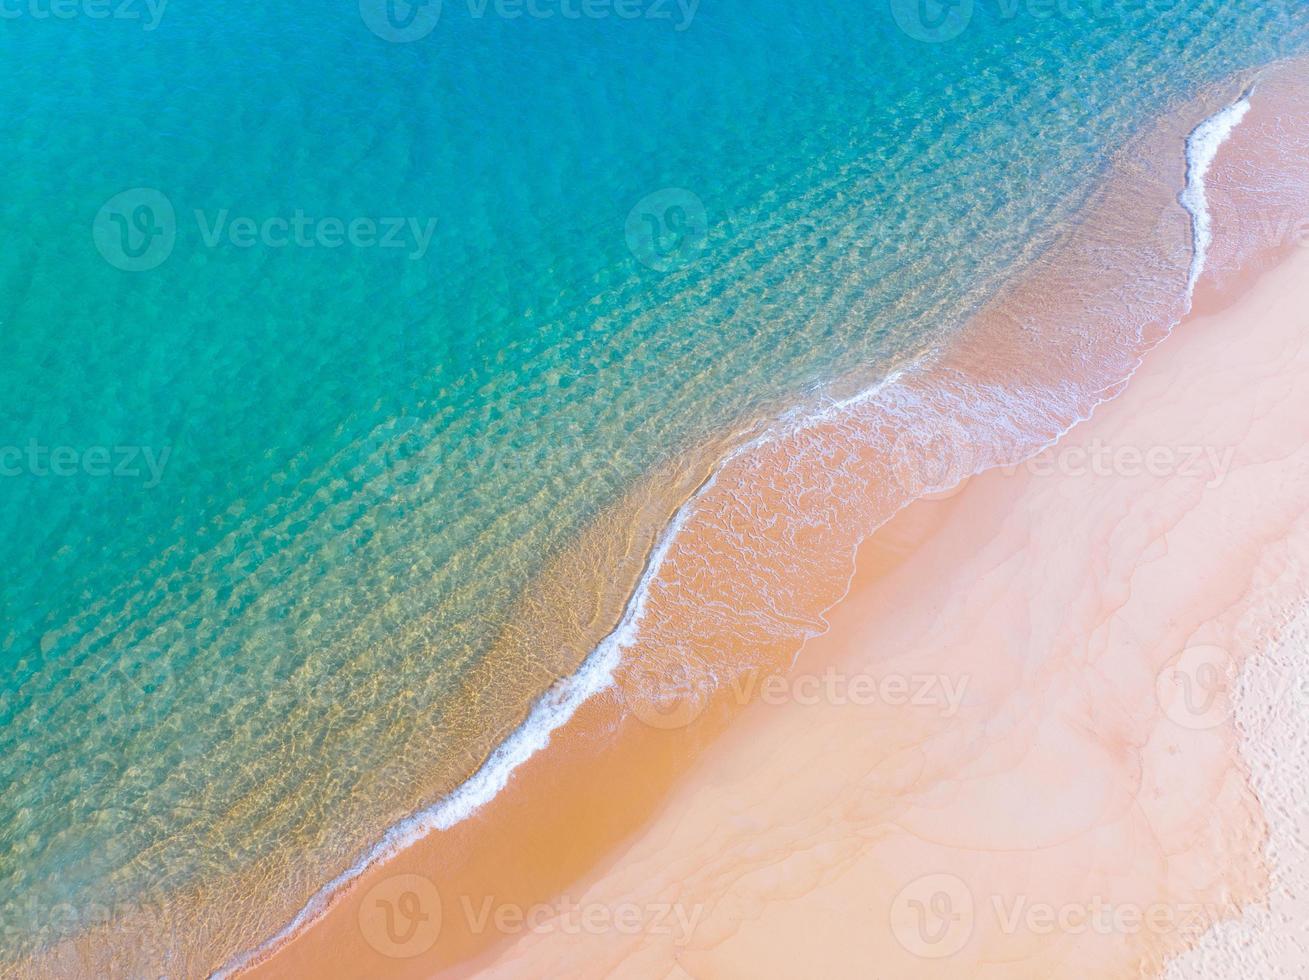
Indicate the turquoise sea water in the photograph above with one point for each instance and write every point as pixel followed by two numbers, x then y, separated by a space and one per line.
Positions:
pixel 326 330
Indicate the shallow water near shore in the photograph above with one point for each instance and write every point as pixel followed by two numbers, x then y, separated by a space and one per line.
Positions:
pixel 294 615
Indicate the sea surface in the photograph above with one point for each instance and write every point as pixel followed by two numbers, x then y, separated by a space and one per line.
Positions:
pixel 356 355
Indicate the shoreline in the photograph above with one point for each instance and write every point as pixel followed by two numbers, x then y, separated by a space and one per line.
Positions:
pixel 577 690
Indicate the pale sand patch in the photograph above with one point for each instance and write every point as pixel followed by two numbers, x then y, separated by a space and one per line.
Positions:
pixel 1077 782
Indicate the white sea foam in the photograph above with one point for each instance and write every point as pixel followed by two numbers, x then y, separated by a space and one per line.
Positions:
pixel 1201 149
pixel 596 674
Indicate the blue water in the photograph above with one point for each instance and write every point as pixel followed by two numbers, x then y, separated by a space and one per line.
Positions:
pixel 269 508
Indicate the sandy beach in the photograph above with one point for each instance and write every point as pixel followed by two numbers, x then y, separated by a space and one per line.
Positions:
pixel 1019 745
